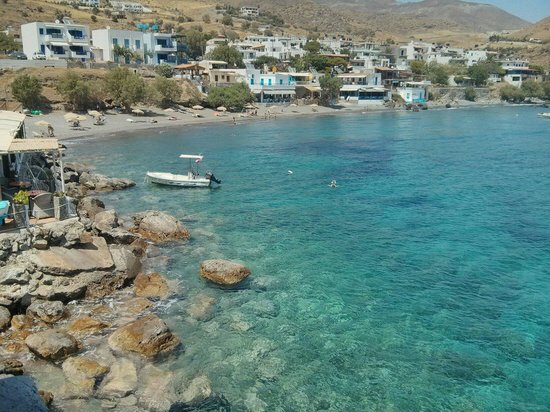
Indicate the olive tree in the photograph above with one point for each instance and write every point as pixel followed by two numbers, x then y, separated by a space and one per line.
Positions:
pixel 27 91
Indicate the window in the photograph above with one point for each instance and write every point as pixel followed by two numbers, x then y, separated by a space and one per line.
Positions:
pixel 269 82
pixel 115 42
pixel 127 43
pixel 216 78
pixel 262 82
pixel 41 31
pixel 281 82
pixel 138 45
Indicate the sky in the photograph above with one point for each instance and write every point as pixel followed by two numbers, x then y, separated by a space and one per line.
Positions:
pixel 530 10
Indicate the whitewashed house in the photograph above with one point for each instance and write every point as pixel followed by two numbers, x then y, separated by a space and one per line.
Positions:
pixel 250 11
pixel 129 7
pixel 59 40
pixel 414 92
pixel 517 71
pixel 273 87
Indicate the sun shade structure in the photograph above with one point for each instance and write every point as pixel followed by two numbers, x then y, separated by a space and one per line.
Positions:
pixel 94 113
pixel 138 111
pixel 33 145
pixel 11 124
pixel 197 107
pixel 73 117
pixel 221 109
pixel 42 123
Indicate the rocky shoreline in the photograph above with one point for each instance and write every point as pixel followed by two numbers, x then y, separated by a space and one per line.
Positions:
pixel 77 310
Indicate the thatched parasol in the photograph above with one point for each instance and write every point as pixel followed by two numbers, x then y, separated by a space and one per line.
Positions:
pixel 42 123
pixel 197 107
pixel 138 111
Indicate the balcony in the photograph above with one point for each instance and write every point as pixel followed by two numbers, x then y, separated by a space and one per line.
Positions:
pixel 168 47
pixel 55 38
pixel 80 54
pixel 78 39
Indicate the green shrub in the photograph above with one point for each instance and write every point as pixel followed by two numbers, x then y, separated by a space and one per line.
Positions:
pixel 470 94
pixel 76 91
pixel 512 94
pixel 164 70
pixel 125 87
pixel 164 92
pixel 27 91
pixel 236 95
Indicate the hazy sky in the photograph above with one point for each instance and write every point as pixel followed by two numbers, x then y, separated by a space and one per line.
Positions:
pixel 532 10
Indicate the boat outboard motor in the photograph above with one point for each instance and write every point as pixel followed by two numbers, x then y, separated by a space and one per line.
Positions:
pixel 210 176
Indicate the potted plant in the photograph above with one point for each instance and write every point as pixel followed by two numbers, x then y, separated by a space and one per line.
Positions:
pixel 21 208
pixel 60 206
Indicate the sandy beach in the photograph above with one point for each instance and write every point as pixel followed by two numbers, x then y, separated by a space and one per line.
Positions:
pixel 156 118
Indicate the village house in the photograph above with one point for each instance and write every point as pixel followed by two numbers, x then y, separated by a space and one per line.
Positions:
pixel 250 11
pixel 59 40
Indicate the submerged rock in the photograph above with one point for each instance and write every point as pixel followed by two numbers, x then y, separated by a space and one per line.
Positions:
pixel 136 305
pixel 52 344
pixel 147 336
pixel 47 311
pixel 121 380
pixel 223 272
pixel 159 226
pixel 157 390
pixel 152 285
pixel 82 374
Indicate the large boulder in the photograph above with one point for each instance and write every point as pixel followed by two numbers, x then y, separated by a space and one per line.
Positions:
pixel 19 394
pixel 11 367
pixel 223 272
pixel 106 220
pixel 159 226
pixel 89 207
pixel 125 260
pixel 90 284
pixel 47 311
pixel 5 318
pixel 66 233
pixel 100 183
pixel 135 305
pixel 157 392
pixel 52 344
pixel 147 336
pixel 121 380
pixel 65 262
pixel 82 375
pixel 152 285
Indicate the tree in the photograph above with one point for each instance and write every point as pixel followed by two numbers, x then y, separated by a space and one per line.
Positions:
pixel 480 72
pixel 75 90
pixel 512 94
pixel 437 73
pixel 227 20
pixel 206 18
pixel 26 90
pixel 546 88
pixel 94 18
pixel 227 54
pixel 7 43
pixel 245 25
pixel 196 42
pixel 265 60
pixel 164 70
pixel 312 46
pixel 330 89
pixel 470 94
pixel 532 88
pixel 164 92
pixel 418 67
pixel 234 96
pixel 125 87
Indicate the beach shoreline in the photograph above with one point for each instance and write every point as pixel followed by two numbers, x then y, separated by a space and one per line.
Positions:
pixel 157 119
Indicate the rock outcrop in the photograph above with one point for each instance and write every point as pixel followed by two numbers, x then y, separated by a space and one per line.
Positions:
pixel 5 318
pixel 152 285
pixel 159 227
pixel 147 336
pixel 52 344
pixel 223 272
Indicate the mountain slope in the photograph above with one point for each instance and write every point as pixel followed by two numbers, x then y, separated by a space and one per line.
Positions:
pixel 539 30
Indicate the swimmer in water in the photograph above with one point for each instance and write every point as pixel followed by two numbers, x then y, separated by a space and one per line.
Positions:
pixel 333 184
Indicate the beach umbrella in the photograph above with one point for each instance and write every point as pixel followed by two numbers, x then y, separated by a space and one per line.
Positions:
pixel 314 105
pixel 42 123
pixel 249 106
pixel 197 107
pixel 138 111
pixel 221 109
pixel 73 117
pixel 169 110
pixel 293 105
pixel 94 113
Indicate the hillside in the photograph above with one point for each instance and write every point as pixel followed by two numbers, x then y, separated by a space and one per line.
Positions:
pixel 539 30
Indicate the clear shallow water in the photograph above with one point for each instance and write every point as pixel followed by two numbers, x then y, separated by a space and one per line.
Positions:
pixel 420 283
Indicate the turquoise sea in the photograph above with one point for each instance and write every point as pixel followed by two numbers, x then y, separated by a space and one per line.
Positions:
pixel 420 283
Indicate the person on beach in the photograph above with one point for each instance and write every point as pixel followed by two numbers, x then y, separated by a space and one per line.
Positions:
pixel 50 131
pixel 234 121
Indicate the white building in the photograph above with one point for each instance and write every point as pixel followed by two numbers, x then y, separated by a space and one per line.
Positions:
pixel 281 48
pixel 414 92
pixel 155 48
pixel 248 11
pixel 88 3
pixel 412 51
pixel 517 71
pixel 130 7
pixel 474 57
pixel 273 87
pixel 59 40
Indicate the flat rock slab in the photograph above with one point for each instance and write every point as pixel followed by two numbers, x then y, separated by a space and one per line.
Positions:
pixel 121 380
pixel 66 262
pixel 152 285
pixel 52 344
pixel 147 336
pixel 223 272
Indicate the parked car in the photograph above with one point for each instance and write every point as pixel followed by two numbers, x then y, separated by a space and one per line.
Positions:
pixel 38 56
pixel 18 55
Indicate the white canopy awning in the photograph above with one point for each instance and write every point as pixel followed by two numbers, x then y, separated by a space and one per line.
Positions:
pixel 279 92
pixel 10 123
pixel 186 156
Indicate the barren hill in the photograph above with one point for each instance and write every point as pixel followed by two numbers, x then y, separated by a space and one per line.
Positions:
pixel 539 30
